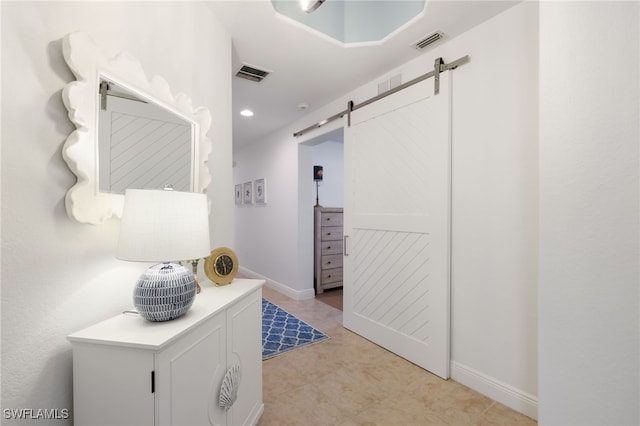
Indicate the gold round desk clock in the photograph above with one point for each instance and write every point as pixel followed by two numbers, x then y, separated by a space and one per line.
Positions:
pixel 221 266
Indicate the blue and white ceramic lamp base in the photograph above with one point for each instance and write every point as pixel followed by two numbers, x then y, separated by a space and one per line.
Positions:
pixel 164 292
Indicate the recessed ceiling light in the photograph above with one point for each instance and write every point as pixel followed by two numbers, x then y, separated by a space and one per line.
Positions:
pixel 246 113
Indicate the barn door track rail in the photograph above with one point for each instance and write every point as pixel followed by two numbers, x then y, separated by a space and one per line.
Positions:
pixel 438 67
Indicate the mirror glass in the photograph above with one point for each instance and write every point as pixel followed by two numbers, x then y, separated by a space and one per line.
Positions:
pixel 140 144
pixel 145 137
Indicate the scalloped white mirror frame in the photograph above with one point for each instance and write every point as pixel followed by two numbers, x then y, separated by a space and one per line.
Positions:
pixel 88 62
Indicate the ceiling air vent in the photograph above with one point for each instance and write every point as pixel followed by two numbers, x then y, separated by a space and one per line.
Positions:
pixel 251 73
pixel 428 40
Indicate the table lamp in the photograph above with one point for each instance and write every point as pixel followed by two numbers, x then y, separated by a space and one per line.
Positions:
pixel 164 226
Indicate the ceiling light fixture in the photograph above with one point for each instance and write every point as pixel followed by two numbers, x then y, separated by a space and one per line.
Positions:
pixel 310 5
pixel 246 113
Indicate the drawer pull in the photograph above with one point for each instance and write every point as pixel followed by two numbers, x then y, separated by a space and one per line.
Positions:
pixel 328 247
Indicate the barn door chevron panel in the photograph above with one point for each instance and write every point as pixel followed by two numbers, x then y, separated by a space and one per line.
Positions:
pixel 391 280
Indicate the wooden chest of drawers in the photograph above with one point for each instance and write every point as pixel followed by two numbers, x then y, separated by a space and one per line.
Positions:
pixel 327 270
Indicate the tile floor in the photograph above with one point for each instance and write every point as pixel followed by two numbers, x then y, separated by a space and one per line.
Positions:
pixel 331 297
pixel 348 380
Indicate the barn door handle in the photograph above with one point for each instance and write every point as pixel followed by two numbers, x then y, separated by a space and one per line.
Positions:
pixel 344 245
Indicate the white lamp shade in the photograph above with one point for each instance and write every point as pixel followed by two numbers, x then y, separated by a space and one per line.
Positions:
pixel 163 226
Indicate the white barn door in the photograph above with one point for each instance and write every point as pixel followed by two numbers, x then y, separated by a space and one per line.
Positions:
pixel 397 224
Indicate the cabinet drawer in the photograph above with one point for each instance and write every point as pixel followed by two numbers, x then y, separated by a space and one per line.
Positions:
pixel 331 275
pixel 331 247
pixel 331 219
pixel 331 233
pixel 331 261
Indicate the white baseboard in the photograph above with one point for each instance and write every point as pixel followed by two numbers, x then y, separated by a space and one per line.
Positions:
pixel 279 287
pixel 513 398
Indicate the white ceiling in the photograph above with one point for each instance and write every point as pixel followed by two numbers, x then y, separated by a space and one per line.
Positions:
pixel 309 67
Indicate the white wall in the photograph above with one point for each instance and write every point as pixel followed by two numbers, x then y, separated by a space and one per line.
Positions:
pixel 494 220
pixel 266 240
pixel 589 291
pixel 58 275
pixel 330 155
pixel 495 171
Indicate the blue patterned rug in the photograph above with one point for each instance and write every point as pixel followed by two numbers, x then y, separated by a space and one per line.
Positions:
pixel 283 332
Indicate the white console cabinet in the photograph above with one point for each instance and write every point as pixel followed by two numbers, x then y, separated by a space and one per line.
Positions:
pixel 129 371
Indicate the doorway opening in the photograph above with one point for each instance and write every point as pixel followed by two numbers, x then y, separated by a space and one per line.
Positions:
pixel 326 151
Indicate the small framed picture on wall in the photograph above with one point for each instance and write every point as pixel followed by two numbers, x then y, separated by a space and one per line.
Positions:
pixel 238 194
pixel 247 191
pixel 260 189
